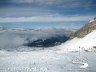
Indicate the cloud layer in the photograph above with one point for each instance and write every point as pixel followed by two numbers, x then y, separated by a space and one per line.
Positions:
pixel 46 19
pixel 14 38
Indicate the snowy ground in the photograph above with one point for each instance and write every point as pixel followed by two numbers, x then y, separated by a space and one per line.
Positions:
pixel 86 43
pixel 45 61
pixel 55 59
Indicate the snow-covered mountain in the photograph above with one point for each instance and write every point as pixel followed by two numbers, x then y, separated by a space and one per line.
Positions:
pixel 83 39
pixel 92 20
pixel 87 43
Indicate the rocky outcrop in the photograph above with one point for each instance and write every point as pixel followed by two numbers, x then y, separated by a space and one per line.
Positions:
pixel 49 42
pixel 85 30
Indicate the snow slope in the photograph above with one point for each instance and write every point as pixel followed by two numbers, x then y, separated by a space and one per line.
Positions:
pixel 85 43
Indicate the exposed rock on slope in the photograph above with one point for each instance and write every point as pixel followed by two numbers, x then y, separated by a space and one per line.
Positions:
pixel 87 43
pixel 85 30
pixel 84 39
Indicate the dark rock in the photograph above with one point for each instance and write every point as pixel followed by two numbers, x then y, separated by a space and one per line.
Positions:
pixel 47 42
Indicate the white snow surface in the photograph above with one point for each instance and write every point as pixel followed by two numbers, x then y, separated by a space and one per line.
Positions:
pixel 91 20
pixel 44 61
pixel 86 43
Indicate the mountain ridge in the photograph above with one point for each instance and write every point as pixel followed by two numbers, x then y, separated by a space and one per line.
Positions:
pixel 82 32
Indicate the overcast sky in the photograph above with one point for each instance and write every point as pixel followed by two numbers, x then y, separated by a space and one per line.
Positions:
pixel 47 10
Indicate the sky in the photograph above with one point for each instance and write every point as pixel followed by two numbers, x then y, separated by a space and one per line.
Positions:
pixel 46 12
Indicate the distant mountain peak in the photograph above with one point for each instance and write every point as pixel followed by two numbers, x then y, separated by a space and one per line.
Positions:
pixel 94 19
